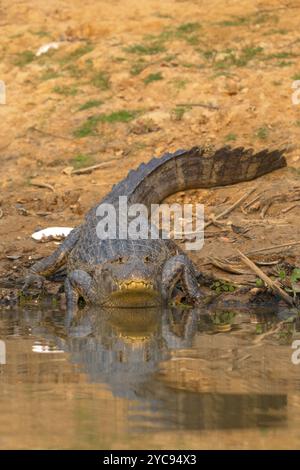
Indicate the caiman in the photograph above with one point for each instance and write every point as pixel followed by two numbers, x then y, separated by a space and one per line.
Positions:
pixel 144 272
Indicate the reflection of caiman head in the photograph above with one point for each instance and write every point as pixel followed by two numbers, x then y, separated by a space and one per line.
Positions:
pixel 136 324
pixel 122 347
pixel 128 282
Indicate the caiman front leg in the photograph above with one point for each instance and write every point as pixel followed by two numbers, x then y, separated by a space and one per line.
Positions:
pixel 180 268
pixel 52 263
pixel 77 284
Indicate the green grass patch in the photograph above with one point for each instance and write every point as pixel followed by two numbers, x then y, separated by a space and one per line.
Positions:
pixel 49 75
pixel 281 55
pixel 230 137
pixel 262 133
pixel 179 83
pixel 101 80
pixel 193 40
pixel 252 19
pixel 82 160
pixel 119 60
pixel 118 116
pixel 90 104
pixel 188 28
pixel 178 112
pixel 153 77
pixel 189 65
pixel 146 49
pixel 234 59
pixel 250 52
pixel 284 63
pixel 74 71
pixel 76 54
pixel 155 44
pixel 208 54
pixel 296 76
pixel 24 58
pixel 41 34
pixel 138 67
pixel 162 15
pixel 185 31
pixel 89 127
pixel 235 21
pixel 169 57
pixel 65 90
pixel 276 31
pixel 89 63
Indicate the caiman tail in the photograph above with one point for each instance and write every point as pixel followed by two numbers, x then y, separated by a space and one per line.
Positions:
pixel 196 168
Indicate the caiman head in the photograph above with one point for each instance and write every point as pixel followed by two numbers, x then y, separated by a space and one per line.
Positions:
pixel 129 281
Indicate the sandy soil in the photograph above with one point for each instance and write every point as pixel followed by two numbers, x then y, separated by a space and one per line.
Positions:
pixel 110 93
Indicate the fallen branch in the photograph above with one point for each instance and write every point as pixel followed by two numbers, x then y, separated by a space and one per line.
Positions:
pixel 89 169
pixel 252 201
pixel 274 247
pixel 230 209
pixel 267 263
pixel 201 105
pixel 266 279
pixel 44 185
pixel 288 209
pixel 268 248
pixel 225 266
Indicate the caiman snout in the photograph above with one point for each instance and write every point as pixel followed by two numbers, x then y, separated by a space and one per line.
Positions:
pixel 134 293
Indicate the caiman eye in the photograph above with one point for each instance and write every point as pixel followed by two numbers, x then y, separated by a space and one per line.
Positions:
pixel 147 259
pixel 120 260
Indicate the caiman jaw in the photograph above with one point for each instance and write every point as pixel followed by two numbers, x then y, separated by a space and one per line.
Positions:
pixel 134 293
pixel 136 285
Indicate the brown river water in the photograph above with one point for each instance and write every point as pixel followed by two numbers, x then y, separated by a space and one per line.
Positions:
pixel 147 379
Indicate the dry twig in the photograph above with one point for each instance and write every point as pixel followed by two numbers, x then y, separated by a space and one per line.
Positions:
pixel 288 209
pixel 201 105
pixel 230 209
pixel 267 280
pixel 89 169
pixel 271 248
pixel 44 185
pixel 225 266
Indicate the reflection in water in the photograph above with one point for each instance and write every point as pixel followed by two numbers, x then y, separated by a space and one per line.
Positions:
pixel 173 368
pixel 122 348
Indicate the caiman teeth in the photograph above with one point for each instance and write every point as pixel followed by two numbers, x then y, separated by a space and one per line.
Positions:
pixel 136 285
